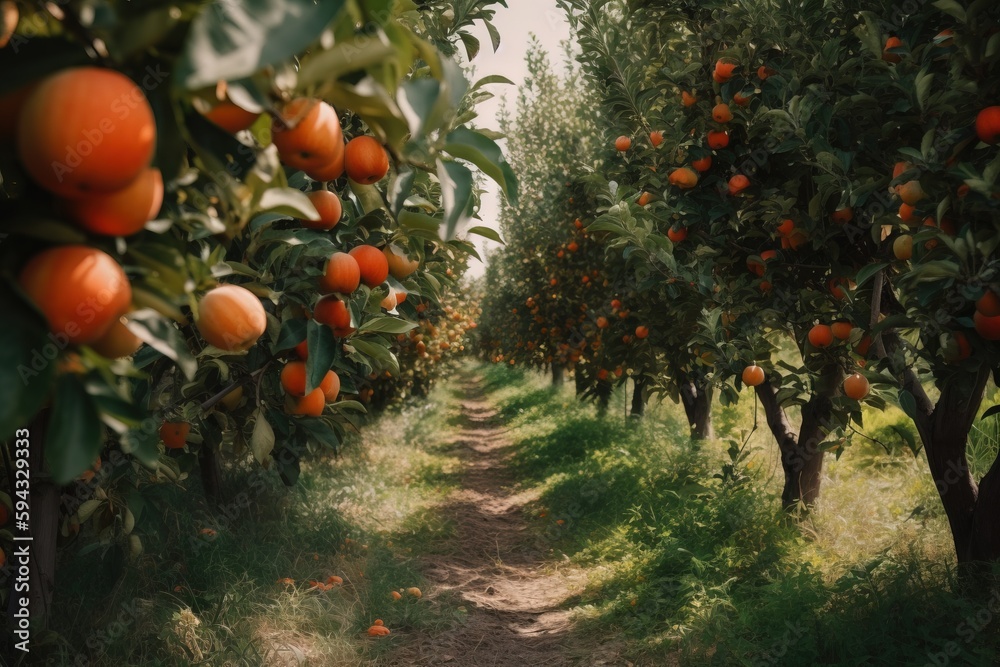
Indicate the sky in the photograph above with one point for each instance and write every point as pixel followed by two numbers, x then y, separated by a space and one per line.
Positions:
pixel 515 24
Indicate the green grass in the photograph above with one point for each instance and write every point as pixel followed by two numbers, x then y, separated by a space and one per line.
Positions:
pixel 364 517
pixel 708 573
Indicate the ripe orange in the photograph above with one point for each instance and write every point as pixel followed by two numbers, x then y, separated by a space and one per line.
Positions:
pixel 902 247
pixel 9 16
pixel 786 227
pixel 723 71
pixel 821 335
pixel 957 347
pixel 677 235
pixel 741 100
pixel 988 125
pixel 602 322
pixel 309 138
pixel 400 266
pixel 232 400
pixel 641 331
pixel 843 215
pixel 231 318
pixel 841 329
pixel 688 99
pixel 622 144
pixel 330 386
pixel 856 386
pixel 174 434
pixel 763 72
pixel 683 177
pixel 986 326
pixel 302 350
pixel 911 192
pixel 836 286
pixel 655 138
pixel 892 43
pixel 293 378
pixel 389 301
pixel 334 313
pixel 989 304
pixel 366 160
pixel 644 198
pixel 117 342
pixel 310 405
pixel 753 375
pixel 721 113
pixel 86 130
pixel 342 274
pixel 329 207
pixel 372 263
pixel 738 184
pixel 572 247
pixel 123 212
pixel 718 139
pixel 230 117
pixel 81 291
pixel 703 164
pixel 900 168
pixel 906 212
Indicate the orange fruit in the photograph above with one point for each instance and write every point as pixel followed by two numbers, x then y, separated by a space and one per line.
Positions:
pixel 342 274
pixel 821 335
pixel 703 164
pixel 231 318
pixel 232 400
pixel 906 212
pixel 902 247
pixel 843 215
pixel 741 100
pixel 892 43
pixel 856 386
pixel 718 139
pixel 957 348
pixel 841 329
pixel 836 287
pixel 400 266
pixel 641 332
pixel 738 184
pixel 9 16
pixel 86 130
pixel 987 326
pixel 753 375
pixel 988 125
pixel 622 144
pixel 302 350
pixel 329 207
pixel 389 302
pixel 366 160
pixel 310 405
pixel 81 291
pixel 763 72
pixel 723 71
pixel 721 113
pixel 117 342
pixel 334 313
pixel 900 168
pixel 655 138
pixel 644 198
pixel 687 99
pixel 373 265
pixel 174 434
pixel 293 378
pixel 330 386
pixel 911 192
pixel 988 304
pixel 573 246
pixel 230 117
pixel 683 177
pixel 123 212
pixel 677 235
pixel 309 138
pixel 786 227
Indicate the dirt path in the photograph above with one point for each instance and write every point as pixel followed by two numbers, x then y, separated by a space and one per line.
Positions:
pixel 514 594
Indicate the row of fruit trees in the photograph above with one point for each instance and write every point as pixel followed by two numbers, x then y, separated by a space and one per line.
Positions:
pixel 800 198
pixel 227 229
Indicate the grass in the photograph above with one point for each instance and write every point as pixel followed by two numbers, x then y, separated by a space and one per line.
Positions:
pixel 701 572
pixel 365 517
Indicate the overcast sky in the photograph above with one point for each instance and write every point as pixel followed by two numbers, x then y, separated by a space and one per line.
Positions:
pixel 523 18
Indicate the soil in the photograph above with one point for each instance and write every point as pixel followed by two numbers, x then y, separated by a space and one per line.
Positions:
pixel 515 591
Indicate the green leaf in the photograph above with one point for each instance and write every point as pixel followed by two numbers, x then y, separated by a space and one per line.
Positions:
pixel 417 101
pixel 385 324
pixel 237 38
pixel 291 334
pixel 287 201
pixel 73 438
pixel 951 7
pixel 359 52
pixel 471 44
pixel 262 438
pixel 868 271
pixel 160 333
pixel 376 351
pixel 322 349
pixel 487 232
pixel 908 404
pixel 487 80
pixel 410 220
pixel 994 410
pixel 28 362
pixel 456 195
pixel 486 154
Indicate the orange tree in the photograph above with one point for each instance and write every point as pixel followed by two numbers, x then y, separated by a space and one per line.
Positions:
pixel 208 211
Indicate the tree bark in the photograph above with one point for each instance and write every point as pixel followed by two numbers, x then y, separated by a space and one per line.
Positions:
pixel 580 381
pixel 44 527
pixel 697 401
pixel 558 375
pixel 638 397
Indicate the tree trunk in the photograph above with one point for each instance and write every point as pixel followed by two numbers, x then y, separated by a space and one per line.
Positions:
pixel 603 399
pixel 211 474
pixel 697 401
pixel 558 375
pixel 580 380
pixel 638 397
pixel 44 528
